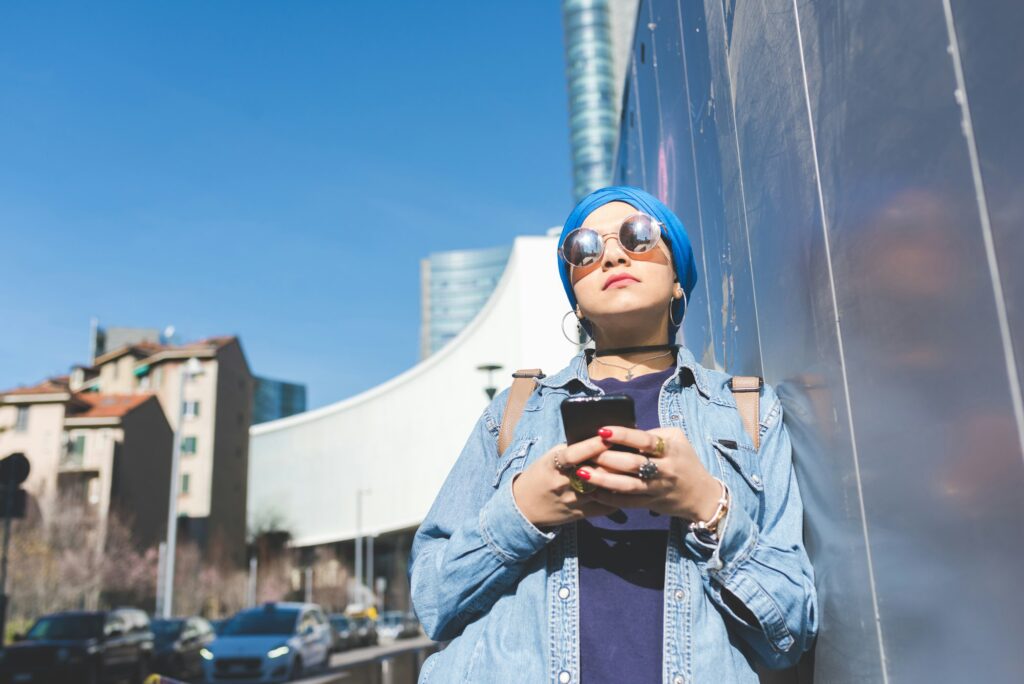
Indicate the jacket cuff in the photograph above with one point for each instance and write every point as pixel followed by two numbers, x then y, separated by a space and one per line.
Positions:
pixel 736 542
pixel 506 530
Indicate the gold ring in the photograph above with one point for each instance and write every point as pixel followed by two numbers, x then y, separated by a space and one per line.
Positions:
pixel 659 447
pixel 580 485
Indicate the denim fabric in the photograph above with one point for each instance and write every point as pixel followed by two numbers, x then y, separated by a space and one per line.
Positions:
pixel 504 592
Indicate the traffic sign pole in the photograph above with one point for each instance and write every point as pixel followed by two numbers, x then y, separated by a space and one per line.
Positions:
pixel 13 471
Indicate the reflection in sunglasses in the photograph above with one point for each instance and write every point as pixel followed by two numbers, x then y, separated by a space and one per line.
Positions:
pixel 637 234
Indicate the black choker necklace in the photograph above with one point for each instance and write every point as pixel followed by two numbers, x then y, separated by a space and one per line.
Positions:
pixel 633 350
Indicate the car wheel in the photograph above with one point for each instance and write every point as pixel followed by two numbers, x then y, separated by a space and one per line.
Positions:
pixel 296 669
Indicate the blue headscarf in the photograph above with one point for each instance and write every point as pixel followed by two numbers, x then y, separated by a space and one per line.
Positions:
pixel 672 232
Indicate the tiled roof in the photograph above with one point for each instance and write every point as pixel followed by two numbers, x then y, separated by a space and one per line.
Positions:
pixel 218 341
pixel 59 383
pixel 146 348
pixel 108 405
pixel 52 385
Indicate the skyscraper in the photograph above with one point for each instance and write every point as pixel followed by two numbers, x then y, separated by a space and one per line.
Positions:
pixel 455 286
pixel 598 39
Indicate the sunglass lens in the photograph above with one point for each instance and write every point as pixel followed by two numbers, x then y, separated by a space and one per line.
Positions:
pixel 639 233
pixel 582 247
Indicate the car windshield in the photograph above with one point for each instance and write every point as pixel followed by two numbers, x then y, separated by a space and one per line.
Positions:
pixel 66 627
pixel 390 619
pixel 262 622
pixel 340 622
pixel 166 631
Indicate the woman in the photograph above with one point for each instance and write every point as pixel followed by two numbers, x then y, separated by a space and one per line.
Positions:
pixel 682 563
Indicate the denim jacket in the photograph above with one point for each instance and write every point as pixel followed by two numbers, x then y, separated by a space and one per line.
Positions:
pixel 504 593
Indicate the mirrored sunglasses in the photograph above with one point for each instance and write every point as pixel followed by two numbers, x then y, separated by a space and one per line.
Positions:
pixel 638 234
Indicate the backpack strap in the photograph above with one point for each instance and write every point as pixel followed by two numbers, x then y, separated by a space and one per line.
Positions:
pixel 746 389
pixel 522 387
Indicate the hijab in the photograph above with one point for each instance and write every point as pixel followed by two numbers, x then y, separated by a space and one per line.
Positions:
pixel 672 232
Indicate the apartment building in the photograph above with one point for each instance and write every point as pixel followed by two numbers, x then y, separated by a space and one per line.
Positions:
pixel 213 409
pixel 94 452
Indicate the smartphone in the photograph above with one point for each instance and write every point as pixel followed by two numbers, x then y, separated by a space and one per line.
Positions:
pixel 583 416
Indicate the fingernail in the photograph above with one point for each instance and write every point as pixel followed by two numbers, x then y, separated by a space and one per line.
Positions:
pixel 605 433
pixel 582 474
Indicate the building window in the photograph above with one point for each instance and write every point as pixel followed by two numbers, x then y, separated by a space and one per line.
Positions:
pixel 73 452
pixel 190 409
pixel 188 445
pixel 184 483
pixel 22 423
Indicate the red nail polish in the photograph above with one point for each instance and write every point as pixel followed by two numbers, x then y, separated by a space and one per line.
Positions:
pixel 582 474
pixel 605 433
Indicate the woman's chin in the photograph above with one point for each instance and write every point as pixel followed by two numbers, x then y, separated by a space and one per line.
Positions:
pixel 626 317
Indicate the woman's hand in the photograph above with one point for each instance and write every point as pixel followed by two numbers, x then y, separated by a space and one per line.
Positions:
pixel 543 492
pixel 683 487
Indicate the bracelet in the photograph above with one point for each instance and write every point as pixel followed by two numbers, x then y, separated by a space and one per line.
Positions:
pixel 710 526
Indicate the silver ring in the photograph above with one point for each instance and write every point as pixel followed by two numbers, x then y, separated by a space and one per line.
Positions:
pixel 648 470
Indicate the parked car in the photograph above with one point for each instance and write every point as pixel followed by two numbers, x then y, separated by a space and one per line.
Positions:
pixel 344 631
pixel 395 624
pixel 274 642
pixel 81 647
pixel 177 645
pixel 366 631
pixel 218 625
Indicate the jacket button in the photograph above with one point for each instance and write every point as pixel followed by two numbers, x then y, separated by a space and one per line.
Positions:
pixel 563 593
pixel 679 679
pixel 564 677
pixel 680 594
pixel 755 479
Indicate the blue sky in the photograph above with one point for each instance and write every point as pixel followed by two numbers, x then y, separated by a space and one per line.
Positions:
pixel 274 170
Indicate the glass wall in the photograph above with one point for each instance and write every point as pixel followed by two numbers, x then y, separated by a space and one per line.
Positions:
pixel 849 174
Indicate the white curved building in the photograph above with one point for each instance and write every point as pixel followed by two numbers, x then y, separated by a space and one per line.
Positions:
pixel 399 440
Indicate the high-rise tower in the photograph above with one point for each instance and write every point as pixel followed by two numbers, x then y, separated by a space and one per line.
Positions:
pixel 598 38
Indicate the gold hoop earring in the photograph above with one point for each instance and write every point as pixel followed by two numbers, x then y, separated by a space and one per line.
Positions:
pixel 672 305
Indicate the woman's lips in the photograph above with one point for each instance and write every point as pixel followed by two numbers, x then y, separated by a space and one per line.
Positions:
pixel 620 281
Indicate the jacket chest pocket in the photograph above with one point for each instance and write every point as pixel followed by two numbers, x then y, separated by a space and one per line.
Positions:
pixel 741 469
pixel 514 460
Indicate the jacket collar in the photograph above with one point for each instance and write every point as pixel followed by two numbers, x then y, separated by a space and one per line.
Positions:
pixel 690 372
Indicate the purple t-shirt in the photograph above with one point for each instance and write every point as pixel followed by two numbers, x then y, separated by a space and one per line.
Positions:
pixel 622 571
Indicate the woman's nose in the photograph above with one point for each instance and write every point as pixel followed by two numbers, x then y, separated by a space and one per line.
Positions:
pixel 613 251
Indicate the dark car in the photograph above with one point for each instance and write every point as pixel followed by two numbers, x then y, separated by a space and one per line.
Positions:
pixel 344 632
pixel 177 645
pixel 366 631
pixel 84 647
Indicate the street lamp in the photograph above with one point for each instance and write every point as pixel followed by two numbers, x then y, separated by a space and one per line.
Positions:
pixel 190 369
pixel 490 368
